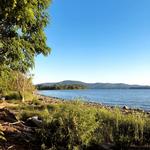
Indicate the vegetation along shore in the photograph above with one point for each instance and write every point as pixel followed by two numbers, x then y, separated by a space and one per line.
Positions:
pixel 52 123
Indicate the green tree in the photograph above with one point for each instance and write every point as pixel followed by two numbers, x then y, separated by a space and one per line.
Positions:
pixel 15 82
pixel 22 84
pixel 22 36
pixel 5 80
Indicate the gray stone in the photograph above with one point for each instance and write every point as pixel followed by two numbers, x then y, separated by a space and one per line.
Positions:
pixel 7 116
pixel 34 121
pixel 3 98
pixel 148 113
pixel 125 107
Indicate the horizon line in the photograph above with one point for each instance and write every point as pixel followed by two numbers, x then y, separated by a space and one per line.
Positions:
pixel 136 84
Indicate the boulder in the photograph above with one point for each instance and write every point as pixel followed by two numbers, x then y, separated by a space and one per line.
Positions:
pixel 34 122
pixel 20 136
pixel 125 107
pixel 148 113
pixel 7 116
pixel 3 98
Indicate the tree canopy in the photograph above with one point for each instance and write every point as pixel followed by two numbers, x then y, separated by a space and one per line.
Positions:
pixel 61 87
pixel 22 36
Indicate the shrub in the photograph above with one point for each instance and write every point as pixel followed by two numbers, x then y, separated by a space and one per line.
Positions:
pixel 129 131
pixel 106 120
pixel 13 96
pixel 25 114
pixel 75 125
pixel 35 101
pixel 120 129
pixel 72 127
pixel 21 83
pixel 146 132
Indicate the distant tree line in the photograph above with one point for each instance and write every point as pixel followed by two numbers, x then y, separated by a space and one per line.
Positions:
pixel 61 87
pixel 141 87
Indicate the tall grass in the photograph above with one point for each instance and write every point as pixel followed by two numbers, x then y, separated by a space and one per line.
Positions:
pixel 71 127
pixel 75 125
pixel 2 137
pixel 121 129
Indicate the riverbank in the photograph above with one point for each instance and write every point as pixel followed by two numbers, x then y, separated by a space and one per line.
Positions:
pixel 124 109
pixel 132 98
pixel 47 122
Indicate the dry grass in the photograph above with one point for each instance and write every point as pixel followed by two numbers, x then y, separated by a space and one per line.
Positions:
pixel 4 104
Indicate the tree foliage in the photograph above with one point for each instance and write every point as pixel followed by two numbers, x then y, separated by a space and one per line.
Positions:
pixel 61 87
pixel 22 84
pixel 15 83
pixel 22 36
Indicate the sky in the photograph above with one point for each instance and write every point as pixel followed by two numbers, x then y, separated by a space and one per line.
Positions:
pixel 97 41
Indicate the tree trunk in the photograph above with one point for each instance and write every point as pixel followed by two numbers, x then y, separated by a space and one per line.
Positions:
pixel 23 100
pixel 22 96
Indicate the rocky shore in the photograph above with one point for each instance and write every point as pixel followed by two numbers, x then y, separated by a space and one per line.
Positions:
pixel 124 109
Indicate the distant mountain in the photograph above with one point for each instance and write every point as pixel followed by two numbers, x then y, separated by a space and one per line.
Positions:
pixel 95 85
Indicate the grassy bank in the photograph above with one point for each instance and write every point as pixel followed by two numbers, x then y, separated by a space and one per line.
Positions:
pixel 77 125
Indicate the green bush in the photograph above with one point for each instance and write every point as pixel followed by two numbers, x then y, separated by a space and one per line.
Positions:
pixel 129 131
pixel 35 101
pixel 13 96
pixel 43 114
pixel 75 125
pixel 16 96
pixel 120 129
pixel 72 127
pixel 106 120
pixel 146 132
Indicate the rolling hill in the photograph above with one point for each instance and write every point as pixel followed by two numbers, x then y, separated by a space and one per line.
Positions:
pixel 95 85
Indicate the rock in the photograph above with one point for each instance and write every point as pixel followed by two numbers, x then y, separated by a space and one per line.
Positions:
pixel 140 110
pixel 34 121
pixel 20 136
pixel 125 107
pixel 41 99
pixel 7 116
pixel 148 113
pixel 3 98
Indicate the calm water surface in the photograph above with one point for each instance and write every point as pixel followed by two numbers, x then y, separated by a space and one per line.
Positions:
pixel 134 98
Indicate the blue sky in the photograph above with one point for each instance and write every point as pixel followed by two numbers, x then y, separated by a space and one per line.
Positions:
pixel 97 41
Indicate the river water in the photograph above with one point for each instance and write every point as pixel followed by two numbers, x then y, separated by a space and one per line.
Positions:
pixel 134 98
